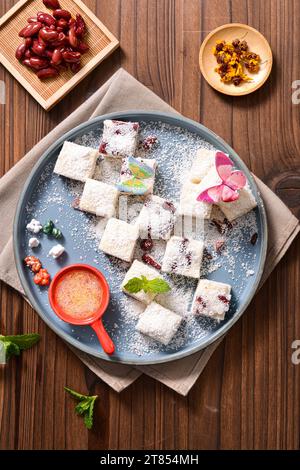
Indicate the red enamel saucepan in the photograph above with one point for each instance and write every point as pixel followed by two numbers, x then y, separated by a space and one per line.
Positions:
pixel 79 294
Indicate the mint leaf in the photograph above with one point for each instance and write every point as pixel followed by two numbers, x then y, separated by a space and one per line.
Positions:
pixel 88 418
pixel 14 344
pixel 158 286
pixel 155 286
pixel 85 407
pixel 134 285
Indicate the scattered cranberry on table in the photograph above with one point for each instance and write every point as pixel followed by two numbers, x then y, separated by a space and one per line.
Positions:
pixel 53 43
pixel 149 260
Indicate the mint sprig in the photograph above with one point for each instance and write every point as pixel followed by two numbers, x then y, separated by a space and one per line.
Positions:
pixel 85 406
pixel 154 286
pixel 14 344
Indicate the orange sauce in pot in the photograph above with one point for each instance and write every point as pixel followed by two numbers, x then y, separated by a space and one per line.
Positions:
pixel 78 294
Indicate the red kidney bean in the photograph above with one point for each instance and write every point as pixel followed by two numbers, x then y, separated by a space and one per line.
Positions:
pixel 48 53
pixel 75 67
pixel 83 48
pixel 61 23
pixel 41 41
pixel 48 35
pixel 57 57
pixel 80 26
pixel 46 18
pixel 71 57
pixel 60 41
pixel 72 23
pixel 50 72
pixel 30 30
pixel 52 4
pixel 73 38
pixel 38 63
pixel 52 27
pixel 59 13
pixel 26 62
pixel 59 29
pixel 32 19
pixel 28 54
pixel 28 42
pixel 38 49
pixel 20 52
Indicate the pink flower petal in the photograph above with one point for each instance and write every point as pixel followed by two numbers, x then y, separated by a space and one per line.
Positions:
pixel 223 165
pixel 228 194
pixel 211 195
pixel 236 180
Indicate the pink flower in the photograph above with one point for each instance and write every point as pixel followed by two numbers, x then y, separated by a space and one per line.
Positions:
pixel 232 181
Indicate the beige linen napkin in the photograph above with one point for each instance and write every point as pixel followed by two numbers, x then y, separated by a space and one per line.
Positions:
pixel 123 92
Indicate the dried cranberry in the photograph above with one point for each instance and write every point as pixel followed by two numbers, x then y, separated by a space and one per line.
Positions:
pixel 75 203
pixel 149 260
pixel 149 142
pixel 169 206
pixel 174 266
pixel 189 258
pixel 220 244
pixel 253 239
pixel 103 146
pixel 146 244
pixel 201 301
pixel 223 299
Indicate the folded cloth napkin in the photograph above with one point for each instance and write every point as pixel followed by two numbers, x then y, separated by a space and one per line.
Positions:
pixel 122 92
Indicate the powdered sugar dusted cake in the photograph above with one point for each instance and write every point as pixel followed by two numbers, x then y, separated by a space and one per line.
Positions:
pixel 183 256
pixel 202 163
pixel 119 239
pixel 157 218
pixel 211 299
pixel 119 138
pixel 245 203
pixel 99 198
pixel 159 323
pixel 76 161
pixel 232 210
pixel 138 269
pixel 137 176
pixel 189 206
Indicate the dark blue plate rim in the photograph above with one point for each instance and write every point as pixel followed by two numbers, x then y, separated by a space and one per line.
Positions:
pixel 175 120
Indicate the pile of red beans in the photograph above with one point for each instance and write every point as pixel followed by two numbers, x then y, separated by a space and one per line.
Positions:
pixel 53 43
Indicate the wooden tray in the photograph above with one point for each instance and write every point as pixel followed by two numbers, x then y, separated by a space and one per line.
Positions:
pixel 49 92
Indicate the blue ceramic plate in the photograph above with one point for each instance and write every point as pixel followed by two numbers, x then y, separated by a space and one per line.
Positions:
pixel 239 262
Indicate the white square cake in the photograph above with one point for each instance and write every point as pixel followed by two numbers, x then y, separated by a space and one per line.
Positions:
pixel 76 161
pixel 119 138
pixel 99 198
pixel 119 239
pixel 245 203
pixel 202 163
pixel 159 323
pixel 138 269
pixel 183 256
pixel 211 299
pixel 157 218
pixel 189 206
pixel 232 210
pixel 137 176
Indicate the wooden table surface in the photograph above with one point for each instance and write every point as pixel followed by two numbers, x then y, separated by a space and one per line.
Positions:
pixel 249 394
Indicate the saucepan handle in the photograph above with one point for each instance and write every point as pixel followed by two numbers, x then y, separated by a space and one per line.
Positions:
pixel 104 338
